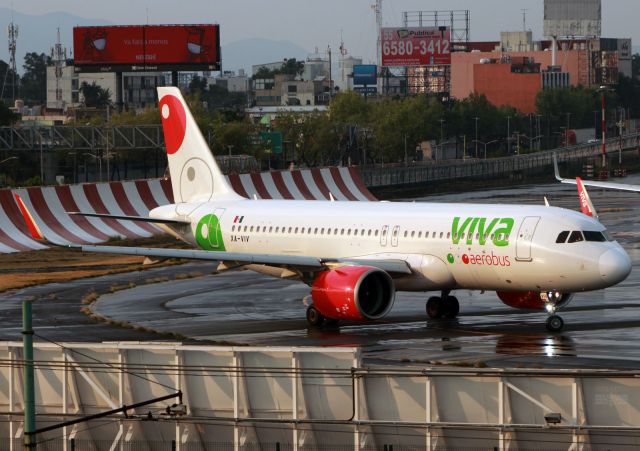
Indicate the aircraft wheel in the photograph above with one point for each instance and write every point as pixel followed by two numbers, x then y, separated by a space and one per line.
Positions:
pixel 434 307
pixel 554 323
pixel 314 317
pixel 451 307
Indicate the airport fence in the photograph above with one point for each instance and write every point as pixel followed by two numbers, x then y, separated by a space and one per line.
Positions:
pixel 516 166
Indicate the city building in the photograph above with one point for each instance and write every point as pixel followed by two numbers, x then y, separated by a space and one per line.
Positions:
pixel 231 81
pixel 286 90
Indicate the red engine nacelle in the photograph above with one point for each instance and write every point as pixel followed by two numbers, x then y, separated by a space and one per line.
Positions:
pixel 532 300
pixel 353 293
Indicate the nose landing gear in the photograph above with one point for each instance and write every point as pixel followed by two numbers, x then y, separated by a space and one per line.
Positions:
pixel 553 300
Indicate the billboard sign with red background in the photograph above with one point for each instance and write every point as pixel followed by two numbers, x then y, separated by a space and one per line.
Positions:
pixel 146 48
pixel 416 46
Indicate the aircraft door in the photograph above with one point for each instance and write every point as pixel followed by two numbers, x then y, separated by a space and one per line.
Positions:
pixel 394 236
pixel 383 235
pixel 524 238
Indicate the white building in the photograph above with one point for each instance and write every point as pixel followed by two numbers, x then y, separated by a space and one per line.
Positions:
pixel 344 79
pixel 231 81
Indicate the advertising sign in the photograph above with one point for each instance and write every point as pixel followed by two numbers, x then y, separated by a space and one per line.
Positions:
pixel 365 74
pixel 416 46
pixel 572 18
pixel 146 48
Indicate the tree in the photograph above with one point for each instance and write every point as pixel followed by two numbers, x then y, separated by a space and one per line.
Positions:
pixel 7 79
pixel 264 73
pixel 95 96
pixel 7 117
pixel 292 66
pixel 34 80
pixel 198 84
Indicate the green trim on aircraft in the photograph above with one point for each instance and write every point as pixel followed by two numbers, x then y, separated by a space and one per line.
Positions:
pixel 208 233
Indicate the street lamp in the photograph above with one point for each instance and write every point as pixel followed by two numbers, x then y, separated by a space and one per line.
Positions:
pixel 7 159
pixel 476 118
pixel 485 144
pixel 99 160
pixel 602 90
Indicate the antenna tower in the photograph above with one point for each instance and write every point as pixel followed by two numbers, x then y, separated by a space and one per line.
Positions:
pixel 377 8
pixel 12 33
pixel 59 57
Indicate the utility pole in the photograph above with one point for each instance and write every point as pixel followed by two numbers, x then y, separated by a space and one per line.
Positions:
pixel 12 31
pixel 28 380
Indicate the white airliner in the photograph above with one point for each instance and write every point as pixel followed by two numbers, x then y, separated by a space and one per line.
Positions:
pixel 356 255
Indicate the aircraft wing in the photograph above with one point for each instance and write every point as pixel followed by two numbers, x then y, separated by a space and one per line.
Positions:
pixel 131 218
pixel 608 185
pixel 297 261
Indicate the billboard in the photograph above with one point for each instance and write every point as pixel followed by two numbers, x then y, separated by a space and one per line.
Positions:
pixel 416 46
pixel 569 18
pixel 146 48
pixel 365 74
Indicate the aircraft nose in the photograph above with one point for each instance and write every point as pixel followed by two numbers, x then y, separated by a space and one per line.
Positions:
pixel 615 266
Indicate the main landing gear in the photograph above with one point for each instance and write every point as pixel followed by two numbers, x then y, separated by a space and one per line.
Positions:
pixel 444 306
pixel 317 319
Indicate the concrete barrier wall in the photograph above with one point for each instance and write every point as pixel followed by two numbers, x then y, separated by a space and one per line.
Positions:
pixel 135 198
pixel 309 399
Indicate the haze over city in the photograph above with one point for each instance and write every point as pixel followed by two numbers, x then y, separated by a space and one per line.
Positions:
pixel 308 25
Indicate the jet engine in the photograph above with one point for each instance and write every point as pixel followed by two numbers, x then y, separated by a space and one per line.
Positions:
pixel 534 300
pixel 355 293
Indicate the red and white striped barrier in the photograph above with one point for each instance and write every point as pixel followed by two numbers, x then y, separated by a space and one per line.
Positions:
pixel 49 204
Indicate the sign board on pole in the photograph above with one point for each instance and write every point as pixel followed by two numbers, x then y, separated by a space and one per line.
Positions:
pixel 416 46
pixel 365 74
pixel 146 48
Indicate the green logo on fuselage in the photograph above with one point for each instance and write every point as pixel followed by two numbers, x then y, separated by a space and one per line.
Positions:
pixel 483 228
pixel 208 233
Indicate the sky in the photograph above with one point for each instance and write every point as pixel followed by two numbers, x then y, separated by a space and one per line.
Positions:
pixel 317 24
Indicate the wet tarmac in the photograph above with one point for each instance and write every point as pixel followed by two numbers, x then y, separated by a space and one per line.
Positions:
pixel 601 327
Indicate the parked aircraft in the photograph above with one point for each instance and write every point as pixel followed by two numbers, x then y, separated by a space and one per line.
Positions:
pixel 356 255
pixel 599 184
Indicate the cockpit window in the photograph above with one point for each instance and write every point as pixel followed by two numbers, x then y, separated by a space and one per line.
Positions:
pixel 594 236
pixel 562 237
pixel 608 236
pixel 575 237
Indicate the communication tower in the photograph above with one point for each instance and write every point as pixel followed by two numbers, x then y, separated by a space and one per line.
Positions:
pixel 58 57
pixel 12 33
pixel 377 8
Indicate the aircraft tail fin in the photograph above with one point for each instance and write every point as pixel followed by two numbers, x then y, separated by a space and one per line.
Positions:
pixel 34 230
pixel 586 206
pixel 195 175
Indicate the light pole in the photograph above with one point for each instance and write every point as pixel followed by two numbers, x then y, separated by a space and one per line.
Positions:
pixel 508 134
pixel 99 160
pixel 604 128
pixel 476 118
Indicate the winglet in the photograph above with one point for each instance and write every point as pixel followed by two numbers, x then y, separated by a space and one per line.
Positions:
pixel 555 168
pixel 585 201
pixel 35 231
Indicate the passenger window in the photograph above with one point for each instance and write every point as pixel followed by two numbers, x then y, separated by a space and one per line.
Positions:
pixel 562 236
pixel 270 229
pixel 233 228
pixel 413 233
pixel 245 228
pixel 348 231
pixel 441 234
pixel 290 229
pixel 449 235
pixel 369 232
pixel 376 232
pixel 315 231
pixel 420 234
pixel 362 232
pixel 395 232
pixel 341 231
pixel 433 235
pixel 575 237
pixel 406 232
pixel 335 231
pixel 594 236
pixel 322 231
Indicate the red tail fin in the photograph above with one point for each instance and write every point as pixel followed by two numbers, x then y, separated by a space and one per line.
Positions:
pixel 585 202
pixel 35 231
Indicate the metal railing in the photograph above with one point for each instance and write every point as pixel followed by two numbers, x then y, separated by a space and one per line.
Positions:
pixel 490 168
